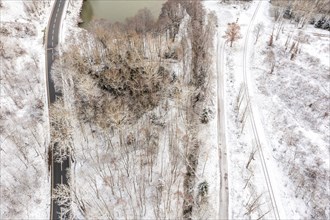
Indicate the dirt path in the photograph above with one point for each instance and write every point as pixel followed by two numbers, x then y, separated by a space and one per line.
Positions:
pixel 221 126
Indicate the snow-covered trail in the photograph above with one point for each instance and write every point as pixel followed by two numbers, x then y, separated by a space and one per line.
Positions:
pixel 258 132
pixel 221 127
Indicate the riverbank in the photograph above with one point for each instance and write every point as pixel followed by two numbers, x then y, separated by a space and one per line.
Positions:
pixel 70 26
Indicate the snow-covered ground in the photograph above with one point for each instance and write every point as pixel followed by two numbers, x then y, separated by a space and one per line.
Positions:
pixel 294 107
pixel 25 180
pixel 138 170
pixel 291 108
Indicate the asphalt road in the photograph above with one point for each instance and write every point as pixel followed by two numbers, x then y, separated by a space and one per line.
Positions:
pixel 59 170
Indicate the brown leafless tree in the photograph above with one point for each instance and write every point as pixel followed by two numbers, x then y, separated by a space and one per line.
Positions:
pixel 258 29
pixel 232 33
pixel 170 18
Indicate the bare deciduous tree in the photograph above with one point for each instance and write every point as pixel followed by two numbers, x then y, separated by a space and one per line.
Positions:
pixel 170 18
pixel 271 39
pixel 232 33
pixel 62 195
pixel 258 29
pixel 142 22
pixel 60 131
pixel 270 58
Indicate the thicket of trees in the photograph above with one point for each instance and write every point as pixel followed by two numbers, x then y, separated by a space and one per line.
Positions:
pixel 200 34
pixel 170 18
pixel 139 87
pixel 35 8
pixel 119 73
pixel 304 11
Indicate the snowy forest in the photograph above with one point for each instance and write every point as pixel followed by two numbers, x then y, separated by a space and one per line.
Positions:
pixel 209 110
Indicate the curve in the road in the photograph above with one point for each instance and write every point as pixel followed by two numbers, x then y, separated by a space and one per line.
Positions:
pixel 58 170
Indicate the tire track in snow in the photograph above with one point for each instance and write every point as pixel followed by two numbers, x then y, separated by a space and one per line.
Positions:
pixel 221 127
pixel 253 120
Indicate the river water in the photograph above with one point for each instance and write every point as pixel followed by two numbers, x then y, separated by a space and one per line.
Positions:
pixel 117 10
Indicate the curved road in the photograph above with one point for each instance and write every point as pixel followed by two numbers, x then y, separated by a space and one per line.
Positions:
pixel 257 134
pixel 58 170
